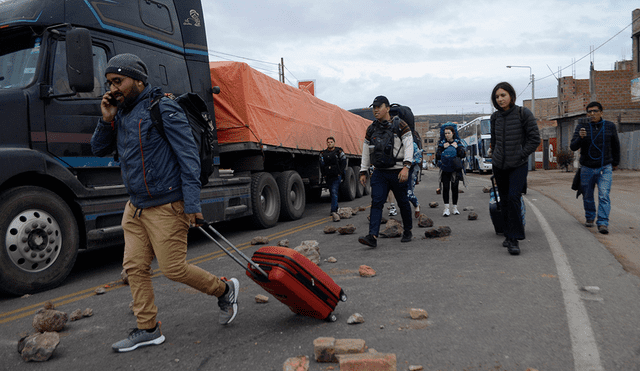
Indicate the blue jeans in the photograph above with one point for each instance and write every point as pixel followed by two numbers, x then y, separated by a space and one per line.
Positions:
pixel 601 176
pixel 511 183
pixel 413 179
pixel 381 182
pixel 334 187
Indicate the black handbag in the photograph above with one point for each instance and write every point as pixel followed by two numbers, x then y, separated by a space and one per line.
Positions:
pixel 577 185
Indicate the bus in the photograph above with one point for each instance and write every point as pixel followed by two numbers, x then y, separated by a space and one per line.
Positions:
pixel 477 134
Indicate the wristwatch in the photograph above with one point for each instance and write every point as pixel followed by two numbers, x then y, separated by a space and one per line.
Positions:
pixel 407 166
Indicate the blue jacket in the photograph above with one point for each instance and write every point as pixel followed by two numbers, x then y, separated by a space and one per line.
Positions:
pixel 151 171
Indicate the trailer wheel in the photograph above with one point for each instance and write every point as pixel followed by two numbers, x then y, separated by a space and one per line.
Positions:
pixel 348 186
pixel 292 195
pixel 359 186
pixel 40 240
pixel 265 200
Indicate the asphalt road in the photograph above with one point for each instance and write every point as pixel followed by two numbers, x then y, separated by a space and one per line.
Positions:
pixel 488 310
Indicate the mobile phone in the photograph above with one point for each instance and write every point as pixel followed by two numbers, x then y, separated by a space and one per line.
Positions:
pixel 112 101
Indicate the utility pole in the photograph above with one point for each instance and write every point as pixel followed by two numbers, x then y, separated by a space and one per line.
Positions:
pixel 282 70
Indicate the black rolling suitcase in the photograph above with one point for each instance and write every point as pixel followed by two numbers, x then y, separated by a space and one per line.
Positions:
pixel 495 211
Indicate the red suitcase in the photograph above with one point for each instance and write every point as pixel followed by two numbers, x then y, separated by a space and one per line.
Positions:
pixel 290 277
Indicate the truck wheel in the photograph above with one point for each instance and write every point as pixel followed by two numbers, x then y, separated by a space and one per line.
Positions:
pixel 348 186
pixel 40 240
pixel 265 200
pixel 292 195
pixel 359 186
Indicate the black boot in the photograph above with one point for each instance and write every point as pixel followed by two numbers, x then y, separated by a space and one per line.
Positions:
pixel 513 247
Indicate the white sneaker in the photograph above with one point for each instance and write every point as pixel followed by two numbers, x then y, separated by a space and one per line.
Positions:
pixel 446 212
pixel 455 210
pixel 393 211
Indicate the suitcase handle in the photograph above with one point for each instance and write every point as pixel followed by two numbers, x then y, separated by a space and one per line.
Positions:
pixel 208 226
pixel 495 191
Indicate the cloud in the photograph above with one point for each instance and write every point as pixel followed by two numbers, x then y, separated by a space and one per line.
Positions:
pixel 433 55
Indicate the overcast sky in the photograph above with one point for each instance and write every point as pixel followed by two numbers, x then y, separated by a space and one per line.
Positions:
pixel 434 56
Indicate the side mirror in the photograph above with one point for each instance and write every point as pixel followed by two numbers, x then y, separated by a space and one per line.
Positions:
pixel 80 60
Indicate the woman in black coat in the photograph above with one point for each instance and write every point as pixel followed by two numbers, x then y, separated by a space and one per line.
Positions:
pixel 514 137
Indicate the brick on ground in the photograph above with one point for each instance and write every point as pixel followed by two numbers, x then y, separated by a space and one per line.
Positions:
pixel 325 349
pixel 368 361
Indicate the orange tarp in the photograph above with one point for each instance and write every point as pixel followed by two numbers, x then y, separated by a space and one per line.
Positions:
pixel 253 107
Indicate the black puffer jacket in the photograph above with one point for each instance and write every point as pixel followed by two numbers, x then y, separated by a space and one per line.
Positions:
pixel 513 139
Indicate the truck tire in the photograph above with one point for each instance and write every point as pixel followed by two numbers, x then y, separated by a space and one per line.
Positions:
pixel 265 200
pixel 359 186
pixel 292 195
pixel 39 240
pixel 348 186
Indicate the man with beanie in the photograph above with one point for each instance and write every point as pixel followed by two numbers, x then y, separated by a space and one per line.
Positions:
pixel 164 192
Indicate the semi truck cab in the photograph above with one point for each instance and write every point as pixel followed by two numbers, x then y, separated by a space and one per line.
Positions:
pixel 56 197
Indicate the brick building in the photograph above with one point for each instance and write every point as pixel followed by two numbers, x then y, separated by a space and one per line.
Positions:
pixel 619 93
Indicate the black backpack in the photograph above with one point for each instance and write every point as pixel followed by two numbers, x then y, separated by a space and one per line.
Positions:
pixel 331 162
pixel 201 127
pixel 406 115
pixel 382 141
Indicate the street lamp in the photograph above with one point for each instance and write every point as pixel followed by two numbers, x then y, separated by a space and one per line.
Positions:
pixel 533 94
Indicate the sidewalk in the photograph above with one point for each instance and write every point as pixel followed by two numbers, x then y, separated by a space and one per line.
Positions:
pixel 623 240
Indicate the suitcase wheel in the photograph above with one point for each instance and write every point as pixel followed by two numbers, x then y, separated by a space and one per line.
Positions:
pixel 343 297
pixel 331 318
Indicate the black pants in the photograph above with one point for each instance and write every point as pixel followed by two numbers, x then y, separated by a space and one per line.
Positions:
pixel 511 183
pixel 450 181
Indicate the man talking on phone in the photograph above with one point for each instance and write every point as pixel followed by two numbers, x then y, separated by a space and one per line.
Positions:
pixel 599 147
pixel 162 179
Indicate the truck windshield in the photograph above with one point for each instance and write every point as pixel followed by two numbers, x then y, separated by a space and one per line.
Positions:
pixel 18 62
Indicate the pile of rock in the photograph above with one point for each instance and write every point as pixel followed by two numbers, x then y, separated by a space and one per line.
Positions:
pixel 47 322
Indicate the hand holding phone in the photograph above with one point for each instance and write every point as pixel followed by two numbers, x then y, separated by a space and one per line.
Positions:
pixel 108 106
pixel 111 100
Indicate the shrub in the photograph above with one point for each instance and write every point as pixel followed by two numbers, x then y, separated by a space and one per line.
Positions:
pixel 565 159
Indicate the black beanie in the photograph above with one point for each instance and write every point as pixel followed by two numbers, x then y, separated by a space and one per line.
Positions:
pixel 128 65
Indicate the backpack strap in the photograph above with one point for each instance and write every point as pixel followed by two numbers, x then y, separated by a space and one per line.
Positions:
pixel 156 118
pixel 395 128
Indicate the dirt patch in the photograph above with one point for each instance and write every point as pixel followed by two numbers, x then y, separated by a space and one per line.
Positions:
pixel 623 240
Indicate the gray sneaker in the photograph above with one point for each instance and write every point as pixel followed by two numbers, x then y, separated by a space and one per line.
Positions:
pixel 229 303
pixel 139 338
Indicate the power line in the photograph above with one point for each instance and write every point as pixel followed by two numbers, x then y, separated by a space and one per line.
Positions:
pixel 237 56
pixel 591 52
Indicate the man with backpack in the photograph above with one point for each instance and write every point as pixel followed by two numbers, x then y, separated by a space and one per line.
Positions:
pixel 164 190
pixel 388 146
pixel 333 162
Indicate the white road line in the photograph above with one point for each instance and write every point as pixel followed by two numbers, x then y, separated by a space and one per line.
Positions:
pixel 585 349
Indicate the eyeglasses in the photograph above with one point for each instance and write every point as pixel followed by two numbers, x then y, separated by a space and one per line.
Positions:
pixel 115 81
pixel 593 111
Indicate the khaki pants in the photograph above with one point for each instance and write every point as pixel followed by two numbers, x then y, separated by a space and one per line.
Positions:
pixel 160 231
